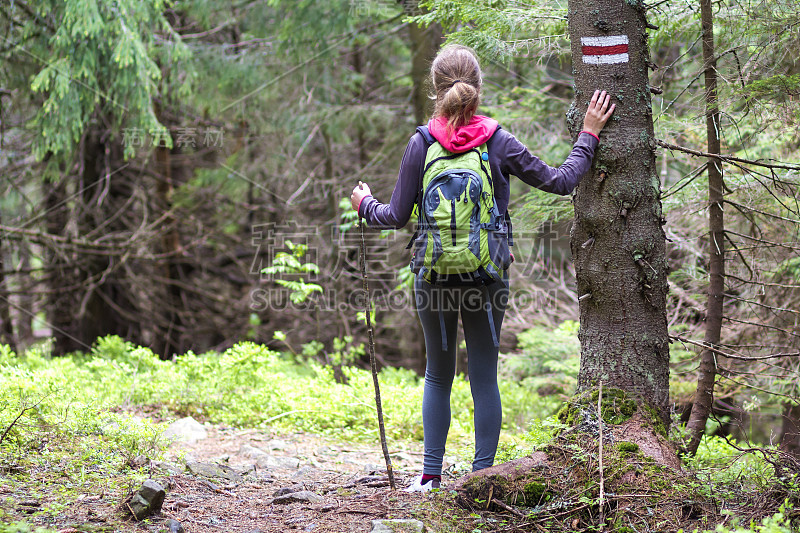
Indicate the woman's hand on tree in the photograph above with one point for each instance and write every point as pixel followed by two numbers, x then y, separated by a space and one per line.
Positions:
pixel 598 113
pixel 359 193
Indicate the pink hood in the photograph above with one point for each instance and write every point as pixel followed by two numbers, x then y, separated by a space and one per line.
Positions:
pixel 474 134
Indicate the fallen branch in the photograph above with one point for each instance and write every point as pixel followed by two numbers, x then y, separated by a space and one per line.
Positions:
pixel 507 507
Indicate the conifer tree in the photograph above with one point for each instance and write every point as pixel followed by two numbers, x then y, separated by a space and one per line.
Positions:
pixel 618 245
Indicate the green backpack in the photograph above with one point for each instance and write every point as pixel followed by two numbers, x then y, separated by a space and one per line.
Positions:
pixel 461 237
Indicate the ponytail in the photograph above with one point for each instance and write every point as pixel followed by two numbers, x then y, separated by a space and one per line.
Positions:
pixel 456 77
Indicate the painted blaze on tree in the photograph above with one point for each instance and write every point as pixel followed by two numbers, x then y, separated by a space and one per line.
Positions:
pixel 618 244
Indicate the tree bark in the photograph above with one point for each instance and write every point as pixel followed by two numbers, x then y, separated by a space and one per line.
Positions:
pixel 87 293
pixel 707 371
pixel 6 327
pixel 170 244
pixel 62 271
pixel 103 298
pixel 425 43
pixel 25 301
pixel 618 244
pixel 790 434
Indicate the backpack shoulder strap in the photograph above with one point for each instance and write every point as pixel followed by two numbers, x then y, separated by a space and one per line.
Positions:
pixel 426 134
pixel 429 140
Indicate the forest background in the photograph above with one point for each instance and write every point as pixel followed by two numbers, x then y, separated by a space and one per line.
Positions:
pixel 176 174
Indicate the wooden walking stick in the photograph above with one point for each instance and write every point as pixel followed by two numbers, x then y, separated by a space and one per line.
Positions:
pixel 373 364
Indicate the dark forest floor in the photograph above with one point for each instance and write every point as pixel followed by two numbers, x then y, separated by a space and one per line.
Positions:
pixel 347 491
pixel 259 481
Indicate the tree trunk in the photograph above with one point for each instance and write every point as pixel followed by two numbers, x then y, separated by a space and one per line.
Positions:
pixel 103 299
pixel 6 328
pixel 617 241
pixel 87 295
pixel 790 434
pixel 707 371
pixel 62 271
pixel 425 43
pixel 358 67
pixel 26 301
pixel 172 341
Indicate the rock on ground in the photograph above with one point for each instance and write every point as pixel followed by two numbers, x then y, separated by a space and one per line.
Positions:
pixel 147 500
pixel 186 429
pixel 211 470
pixel 251 452
pixel 273 461
pixel 174 526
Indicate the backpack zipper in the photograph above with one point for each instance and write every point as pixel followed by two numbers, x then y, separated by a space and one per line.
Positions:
pixel 453 220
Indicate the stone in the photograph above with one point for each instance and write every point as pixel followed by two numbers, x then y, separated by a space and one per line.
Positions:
pixel 303 472
pixel 272 461
pixel 251 452
pixel 246 470
pixel 174 526
pixel 397 526
pixel 186 429
pixel 169 468
pixel 210 470
pixel 325 450
pixel 147 500
pixel 277 445
pixel 302 496
pixel 286 490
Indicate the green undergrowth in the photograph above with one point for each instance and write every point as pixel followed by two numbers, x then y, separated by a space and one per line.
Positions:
pixel 248 385
pixel 61 441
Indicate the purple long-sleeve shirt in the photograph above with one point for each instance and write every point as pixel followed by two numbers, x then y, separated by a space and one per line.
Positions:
pixel 507 157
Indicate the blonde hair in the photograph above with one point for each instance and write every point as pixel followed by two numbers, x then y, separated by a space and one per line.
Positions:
pixel 456 77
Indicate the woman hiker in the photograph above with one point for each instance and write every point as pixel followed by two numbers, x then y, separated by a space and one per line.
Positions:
pixel 457 81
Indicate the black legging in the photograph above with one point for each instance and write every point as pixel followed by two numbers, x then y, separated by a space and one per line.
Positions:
pixel 441 365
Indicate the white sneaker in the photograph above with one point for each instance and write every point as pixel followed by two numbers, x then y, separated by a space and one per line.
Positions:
pixel 417 486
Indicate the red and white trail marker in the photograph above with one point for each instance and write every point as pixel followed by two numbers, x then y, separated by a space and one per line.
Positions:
pixel 606 50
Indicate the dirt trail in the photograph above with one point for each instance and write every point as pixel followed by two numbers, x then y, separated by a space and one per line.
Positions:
pixel 347 490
